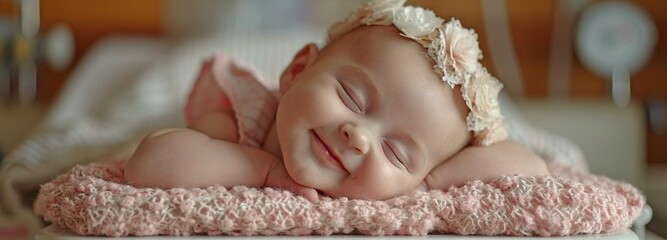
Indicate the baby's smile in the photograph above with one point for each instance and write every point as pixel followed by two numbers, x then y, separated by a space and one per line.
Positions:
pixel 324 153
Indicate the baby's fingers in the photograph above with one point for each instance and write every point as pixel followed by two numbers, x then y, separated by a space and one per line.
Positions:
pixel 309 193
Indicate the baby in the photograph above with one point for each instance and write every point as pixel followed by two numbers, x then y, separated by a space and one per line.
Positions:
pixel 396 101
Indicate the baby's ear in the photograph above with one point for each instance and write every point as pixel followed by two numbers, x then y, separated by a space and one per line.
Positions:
pixel 301 61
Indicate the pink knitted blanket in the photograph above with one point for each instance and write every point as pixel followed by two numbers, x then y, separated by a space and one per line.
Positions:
pixel 92 200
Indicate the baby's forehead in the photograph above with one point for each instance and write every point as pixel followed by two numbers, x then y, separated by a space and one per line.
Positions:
pixel 372 41
pixel 383 49
pixel 389 59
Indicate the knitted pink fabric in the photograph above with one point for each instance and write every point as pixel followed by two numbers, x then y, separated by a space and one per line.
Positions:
pixel 92 200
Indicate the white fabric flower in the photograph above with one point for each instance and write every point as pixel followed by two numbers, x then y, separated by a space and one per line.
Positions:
pixel 436 50
pixel 416 22
pixel 462 48
pixel 497 132
pixel 480 93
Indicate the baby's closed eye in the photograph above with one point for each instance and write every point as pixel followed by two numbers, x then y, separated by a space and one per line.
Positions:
pixel 395 155
pixel 351 98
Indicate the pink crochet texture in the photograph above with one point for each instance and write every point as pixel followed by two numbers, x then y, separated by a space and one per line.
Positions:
pixel 92 200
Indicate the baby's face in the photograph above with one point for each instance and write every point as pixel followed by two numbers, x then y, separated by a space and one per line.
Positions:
pixel 369 118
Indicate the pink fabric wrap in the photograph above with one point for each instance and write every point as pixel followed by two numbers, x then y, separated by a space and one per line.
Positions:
pixel 93 200
pixel 224 84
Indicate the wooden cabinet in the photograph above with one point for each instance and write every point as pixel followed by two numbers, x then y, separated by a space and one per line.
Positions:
pixel 89 21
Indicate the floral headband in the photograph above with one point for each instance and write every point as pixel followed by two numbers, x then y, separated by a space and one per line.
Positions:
pixel 455 52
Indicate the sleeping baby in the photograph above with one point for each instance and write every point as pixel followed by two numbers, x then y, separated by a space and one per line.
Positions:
pixel 396 101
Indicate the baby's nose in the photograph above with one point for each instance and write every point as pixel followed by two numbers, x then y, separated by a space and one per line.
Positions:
pixel 357 138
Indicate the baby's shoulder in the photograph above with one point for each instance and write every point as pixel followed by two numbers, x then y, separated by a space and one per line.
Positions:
pixel 504 158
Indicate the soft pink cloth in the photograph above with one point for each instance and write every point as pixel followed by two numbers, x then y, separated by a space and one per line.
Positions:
pixel 92 200
pixel 224 84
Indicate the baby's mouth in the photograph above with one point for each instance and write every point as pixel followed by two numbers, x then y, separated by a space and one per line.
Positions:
pixel 324 153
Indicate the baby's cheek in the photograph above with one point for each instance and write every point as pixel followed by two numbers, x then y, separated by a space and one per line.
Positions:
pixel 388 184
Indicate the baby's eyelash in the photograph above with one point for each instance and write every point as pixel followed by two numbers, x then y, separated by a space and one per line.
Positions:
pixel 356 105
pixel 389 149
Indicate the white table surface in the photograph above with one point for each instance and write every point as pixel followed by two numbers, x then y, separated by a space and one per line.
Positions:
pixel 55 233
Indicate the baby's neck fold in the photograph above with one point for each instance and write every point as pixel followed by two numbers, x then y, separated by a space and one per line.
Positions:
pixel 271 144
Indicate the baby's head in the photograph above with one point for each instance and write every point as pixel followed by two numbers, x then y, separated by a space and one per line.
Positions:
pixel 393 94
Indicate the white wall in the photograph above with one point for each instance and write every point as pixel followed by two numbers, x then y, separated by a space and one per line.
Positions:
pixel 187 18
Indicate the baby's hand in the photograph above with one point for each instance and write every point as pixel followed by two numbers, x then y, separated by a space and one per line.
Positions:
pixel 278 178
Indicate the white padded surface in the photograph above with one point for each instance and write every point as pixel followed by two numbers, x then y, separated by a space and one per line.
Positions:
pixel 55 233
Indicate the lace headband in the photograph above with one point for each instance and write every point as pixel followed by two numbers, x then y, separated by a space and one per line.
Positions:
pixel 455 52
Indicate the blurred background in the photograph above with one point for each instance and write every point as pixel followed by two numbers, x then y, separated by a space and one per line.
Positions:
pixel 594 71
pixel 531 28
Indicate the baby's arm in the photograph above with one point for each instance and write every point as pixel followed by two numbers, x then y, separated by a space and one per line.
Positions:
pixel 187 158
pixel 217 124
pixel 486 163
